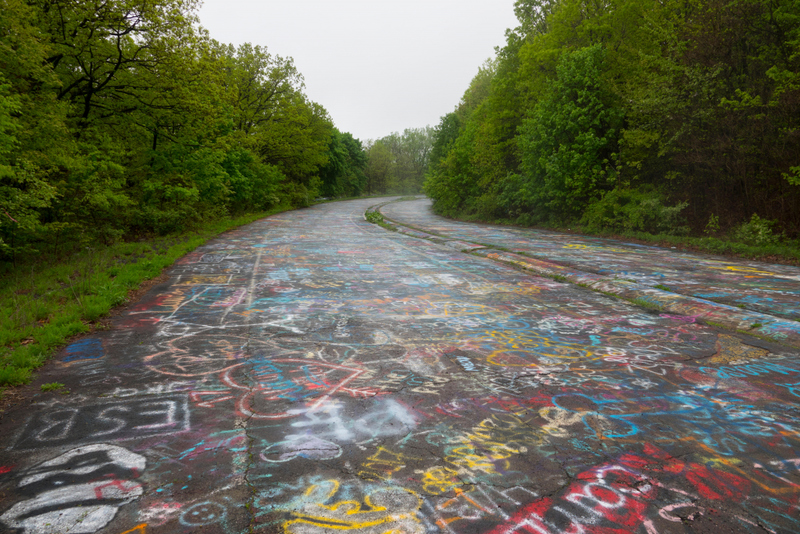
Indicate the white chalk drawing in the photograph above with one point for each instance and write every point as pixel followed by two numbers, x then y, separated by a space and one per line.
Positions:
pixel 78 492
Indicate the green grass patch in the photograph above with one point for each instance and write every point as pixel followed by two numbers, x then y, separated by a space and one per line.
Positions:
pixel 786 251
pixel 44 304
pixel 374 217
pixel 644 303
pixel 662 287
pixel 52 386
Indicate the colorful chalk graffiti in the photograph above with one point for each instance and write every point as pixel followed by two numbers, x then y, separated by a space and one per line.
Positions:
pixel 768 288
pixel 314 373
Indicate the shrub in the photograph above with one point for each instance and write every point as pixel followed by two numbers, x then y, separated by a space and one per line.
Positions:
pixel 757 231
pixel 641 210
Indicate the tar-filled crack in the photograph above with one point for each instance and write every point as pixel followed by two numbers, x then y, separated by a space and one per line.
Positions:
pixel 249 454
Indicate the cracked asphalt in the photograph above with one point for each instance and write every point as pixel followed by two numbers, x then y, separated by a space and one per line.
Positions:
pixel 314 373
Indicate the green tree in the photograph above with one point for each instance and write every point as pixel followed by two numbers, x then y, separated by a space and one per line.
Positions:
pixel 34 142
pixel 343 174
pixel 379 168
pixel 568 144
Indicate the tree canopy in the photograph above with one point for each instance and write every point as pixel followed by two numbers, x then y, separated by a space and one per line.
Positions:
pixel 120 117
pixel 600 113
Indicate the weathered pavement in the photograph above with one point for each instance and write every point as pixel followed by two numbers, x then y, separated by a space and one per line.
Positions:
pixel 314 373
pixel 738 294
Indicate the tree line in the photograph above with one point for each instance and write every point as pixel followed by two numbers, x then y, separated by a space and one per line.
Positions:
pixel 123 117
pixel 666 116
pixel 397 163
pixel 394 164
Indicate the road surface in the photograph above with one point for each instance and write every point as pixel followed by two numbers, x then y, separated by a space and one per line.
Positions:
pixel 768 288
pixel 314 373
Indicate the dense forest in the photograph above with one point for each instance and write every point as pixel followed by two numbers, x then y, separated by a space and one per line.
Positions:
pixel 669 116
pixel 121 118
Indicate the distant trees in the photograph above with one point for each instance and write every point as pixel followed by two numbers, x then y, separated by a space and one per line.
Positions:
pixel 343 175
pixel 397 163
pixel 121 116
pixel 605 112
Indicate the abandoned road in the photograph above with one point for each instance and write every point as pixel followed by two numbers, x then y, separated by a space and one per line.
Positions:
pixel 312 373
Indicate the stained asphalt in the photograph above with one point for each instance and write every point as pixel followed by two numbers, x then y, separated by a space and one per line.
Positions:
pixel 313 373
pixel 735 293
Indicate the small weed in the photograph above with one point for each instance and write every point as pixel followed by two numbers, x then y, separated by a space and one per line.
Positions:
pixel 560 278
pixel 662 287
pixel 644 303
pixel 374 217
pixel 755 325
pixel 52 386
pixel 712 227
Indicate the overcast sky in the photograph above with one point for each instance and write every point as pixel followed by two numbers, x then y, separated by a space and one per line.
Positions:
pixel 377 66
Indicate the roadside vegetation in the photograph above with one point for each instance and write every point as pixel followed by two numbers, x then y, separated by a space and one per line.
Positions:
pixel 127 138
pixel 666 120
pixel 397 163
pixel 45 303
pixel 123 119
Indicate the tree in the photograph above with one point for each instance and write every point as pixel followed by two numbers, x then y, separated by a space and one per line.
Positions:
pixel 568 143
pixel 379 168
pixel 343 174
pixel 33 136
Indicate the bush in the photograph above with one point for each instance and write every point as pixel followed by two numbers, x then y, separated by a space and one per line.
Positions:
pixel 757 231
pixel 638 210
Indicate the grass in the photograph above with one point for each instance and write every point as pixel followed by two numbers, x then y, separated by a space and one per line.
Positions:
pixel 662 287
pixel 376 217
pixel 644 303
pixel 52 386
pixel 787 251
pixel 44 304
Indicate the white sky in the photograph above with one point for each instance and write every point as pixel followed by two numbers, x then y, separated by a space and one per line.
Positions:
pixel 377 66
